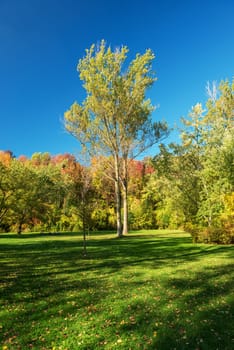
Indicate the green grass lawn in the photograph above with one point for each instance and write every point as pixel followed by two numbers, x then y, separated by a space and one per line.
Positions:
pixel 149 290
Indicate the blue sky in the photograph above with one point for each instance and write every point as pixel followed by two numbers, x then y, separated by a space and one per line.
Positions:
pixel 41 42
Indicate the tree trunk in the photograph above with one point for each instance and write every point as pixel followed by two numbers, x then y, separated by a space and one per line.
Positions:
pixel 118 198
pixel 19 231
pixel 125 210
pixel 84 231
pixel 84 243
pixel 118 208
pixel 125 196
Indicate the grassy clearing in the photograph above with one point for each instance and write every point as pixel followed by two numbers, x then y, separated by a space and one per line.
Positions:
pixel 150 290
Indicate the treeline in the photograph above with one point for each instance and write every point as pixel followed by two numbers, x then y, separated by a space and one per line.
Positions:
pixel 195 179
pixel 56 193
pixel 187 185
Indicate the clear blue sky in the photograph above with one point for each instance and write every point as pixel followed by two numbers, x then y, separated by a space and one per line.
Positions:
pixel 42 40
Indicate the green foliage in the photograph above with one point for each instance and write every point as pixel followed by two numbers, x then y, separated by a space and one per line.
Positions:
pixel 32 196
pixel 211 234
pixel 218 152
pixel 62 195
pixel 194 177
pixel 115 118
pixel 115 112
pixel 29 195
pixel 141 215
pixel 6 194
pixel 219 235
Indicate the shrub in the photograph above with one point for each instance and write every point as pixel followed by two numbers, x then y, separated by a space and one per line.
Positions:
pixel 193 230
pixel 218 235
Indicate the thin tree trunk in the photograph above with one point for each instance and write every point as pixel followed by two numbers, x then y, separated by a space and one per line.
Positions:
pixel 19 231
pixel 125 197
pixel 118 198
pixel 118 209
pixel 84 231
pixel 84 243
pixel 125 210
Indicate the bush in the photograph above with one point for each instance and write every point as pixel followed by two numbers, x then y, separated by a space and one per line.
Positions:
pixel 217 235
pixel 220 235
pixel 193 230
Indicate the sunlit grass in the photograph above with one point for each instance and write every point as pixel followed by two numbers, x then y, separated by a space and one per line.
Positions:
pixel 150 290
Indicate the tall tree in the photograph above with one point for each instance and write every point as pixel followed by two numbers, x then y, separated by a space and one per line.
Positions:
pixel 218 160
pixel 115 118
pixel 200 169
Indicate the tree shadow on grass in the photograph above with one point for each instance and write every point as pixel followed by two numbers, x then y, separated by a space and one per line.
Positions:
pixel 195 312
pixel 50 286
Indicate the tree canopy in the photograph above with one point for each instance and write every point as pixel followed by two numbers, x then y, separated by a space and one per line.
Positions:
pixel 115 118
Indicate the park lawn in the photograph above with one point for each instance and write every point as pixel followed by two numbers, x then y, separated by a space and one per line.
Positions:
pixel 149 290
